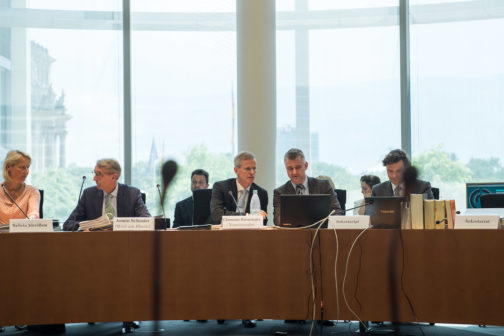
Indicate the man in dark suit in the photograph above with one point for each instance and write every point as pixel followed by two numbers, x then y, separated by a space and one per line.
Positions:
pixel 300 184
pixel 396 162
pixel 184 209
pixel 108 197
pixel 240 188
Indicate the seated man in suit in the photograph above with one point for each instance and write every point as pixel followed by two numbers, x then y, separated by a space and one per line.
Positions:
pixel 239 189
pixel 301 184
pixel 184 209
pixel 227 194
pixel 396 162
pixel 107 197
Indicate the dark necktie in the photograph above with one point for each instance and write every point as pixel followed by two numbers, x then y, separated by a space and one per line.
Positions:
pixel 300 189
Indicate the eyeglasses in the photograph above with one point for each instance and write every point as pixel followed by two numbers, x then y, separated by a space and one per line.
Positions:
pixel 99 173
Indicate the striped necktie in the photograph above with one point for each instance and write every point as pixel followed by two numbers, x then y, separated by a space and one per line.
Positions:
pixel 300 189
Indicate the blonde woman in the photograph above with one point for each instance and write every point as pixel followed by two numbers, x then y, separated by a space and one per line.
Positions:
pixel 16 168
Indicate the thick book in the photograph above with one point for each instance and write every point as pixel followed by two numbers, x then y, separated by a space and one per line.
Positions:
pixel 429 222
pixel 449 214
pixel 417 211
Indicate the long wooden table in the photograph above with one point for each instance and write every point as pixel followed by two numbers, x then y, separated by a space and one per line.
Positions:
pixel 448 276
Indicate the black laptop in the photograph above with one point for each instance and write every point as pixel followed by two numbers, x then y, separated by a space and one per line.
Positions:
pixel 201 198
pixel 303 210
pixel 385 211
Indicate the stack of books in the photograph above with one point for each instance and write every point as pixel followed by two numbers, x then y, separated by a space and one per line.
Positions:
pixel 100 223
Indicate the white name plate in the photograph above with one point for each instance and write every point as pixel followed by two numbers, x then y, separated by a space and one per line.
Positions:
pixel 133 224
pixel 477 222
pixel 242 222
pixel 348 222
pixel 30 225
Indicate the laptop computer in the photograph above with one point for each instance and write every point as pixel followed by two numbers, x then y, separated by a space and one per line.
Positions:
pixel 201 198
pixel 303 210
pixel 385 211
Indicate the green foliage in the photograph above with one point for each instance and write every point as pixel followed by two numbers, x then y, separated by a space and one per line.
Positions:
pixel 486 170
pixel 436 165
pixel 341 177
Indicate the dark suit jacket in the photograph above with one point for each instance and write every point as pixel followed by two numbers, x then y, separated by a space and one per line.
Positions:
pixel 223 205
pixel 129 204
pixel 315 186
pixel 184 211
pixel 385 189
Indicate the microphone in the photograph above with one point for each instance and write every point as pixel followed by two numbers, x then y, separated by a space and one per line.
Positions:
pixel 162 205
pixel 12 200
pixel 82 185
pixel 369 202
pixel 80 194
pixel 410 178
pixel 168 172
pixel 236 203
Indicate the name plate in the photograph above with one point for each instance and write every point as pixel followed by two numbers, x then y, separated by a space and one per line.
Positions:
pixel 242 222
pixel 30 225
pixel 348 222
pixel 133 224
pixel 477 222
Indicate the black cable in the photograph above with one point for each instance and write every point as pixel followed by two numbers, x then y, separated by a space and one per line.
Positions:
pixel 402 285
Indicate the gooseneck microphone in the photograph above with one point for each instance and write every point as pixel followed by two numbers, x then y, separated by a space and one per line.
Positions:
pixel 82 185
pixel 341 211
pixel 236 203
pixel 12 200
pixel 80 194
pixel 162 205
pixel 168 172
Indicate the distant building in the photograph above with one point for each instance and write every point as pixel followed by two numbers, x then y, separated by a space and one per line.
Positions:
pixel 48 117
pixel 287 138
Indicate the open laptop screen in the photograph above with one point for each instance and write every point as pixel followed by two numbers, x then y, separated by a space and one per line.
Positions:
pixel 303 210
pixel 385 211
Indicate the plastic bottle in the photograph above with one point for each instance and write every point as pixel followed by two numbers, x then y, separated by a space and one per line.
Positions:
pixel 255 204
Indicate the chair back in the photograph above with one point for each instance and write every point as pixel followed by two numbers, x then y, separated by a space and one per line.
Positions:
pixel 341 194
pixel 41 204
pixel 435 192
pixel 144 197
pixel 492 201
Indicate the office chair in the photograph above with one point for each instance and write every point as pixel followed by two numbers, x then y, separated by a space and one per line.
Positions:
pixel 144 197
pixel 41 204
pixel 435 192
pixel 492 201
pixel 341 194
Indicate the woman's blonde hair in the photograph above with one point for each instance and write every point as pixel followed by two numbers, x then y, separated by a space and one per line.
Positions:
pixel 11 159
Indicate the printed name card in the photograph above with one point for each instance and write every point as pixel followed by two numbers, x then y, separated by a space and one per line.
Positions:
pixel 348 222
pixel 133 224
pixel 477 222
pixel 242 222
pixel 30 225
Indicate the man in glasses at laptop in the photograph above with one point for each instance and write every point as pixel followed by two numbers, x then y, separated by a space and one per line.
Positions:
pixel 396 162
pixel 184 209
pixel 300 184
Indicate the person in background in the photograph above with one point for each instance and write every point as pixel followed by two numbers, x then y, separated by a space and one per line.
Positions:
pixel 184 209
pixel 16 168
pixel 367 182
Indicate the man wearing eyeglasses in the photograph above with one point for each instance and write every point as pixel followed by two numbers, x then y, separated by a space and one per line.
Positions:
pixel 184 209
pixel 108 197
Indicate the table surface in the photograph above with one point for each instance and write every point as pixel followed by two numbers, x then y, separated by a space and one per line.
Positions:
pixel 451 276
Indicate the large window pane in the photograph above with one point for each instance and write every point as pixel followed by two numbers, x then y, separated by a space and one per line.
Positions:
pixel 184 94
pixel 338 88
pixel 457 80
pixel 61 93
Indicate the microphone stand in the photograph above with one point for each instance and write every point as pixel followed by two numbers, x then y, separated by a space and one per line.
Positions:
pixel 12 200
pixel 235 202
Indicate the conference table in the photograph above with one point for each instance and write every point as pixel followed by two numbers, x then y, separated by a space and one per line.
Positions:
pixel 453 276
